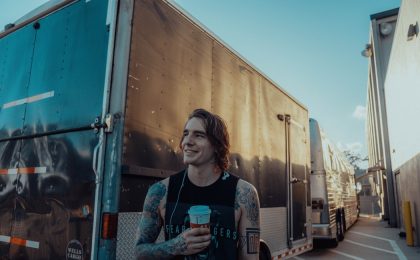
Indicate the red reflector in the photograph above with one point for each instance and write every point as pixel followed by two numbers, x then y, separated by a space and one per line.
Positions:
pixel 109 225
pixel 18 241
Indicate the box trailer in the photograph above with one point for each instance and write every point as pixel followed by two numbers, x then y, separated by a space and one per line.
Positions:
pixel 333 188
pixel 93 99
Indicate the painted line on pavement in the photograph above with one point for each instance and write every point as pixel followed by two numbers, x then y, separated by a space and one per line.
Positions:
pixel 397 250
pixel 344 254
pixel 371 247
pixel 367 235
pixel 394 245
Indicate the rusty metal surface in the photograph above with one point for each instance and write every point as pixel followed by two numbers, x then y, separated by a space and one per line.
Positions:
pixel 168 58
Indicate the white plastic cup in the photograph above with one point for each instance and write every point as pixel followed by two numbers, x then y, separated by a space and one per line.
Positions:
pixel 199 216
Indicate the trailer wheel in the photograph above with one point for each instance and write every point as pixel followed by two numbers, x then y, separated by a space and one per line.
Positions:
pixel 340 224
pixel 264 252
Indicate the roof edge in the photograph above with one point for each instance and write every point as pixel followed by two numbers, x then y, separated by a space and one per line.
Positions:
pixel 384 14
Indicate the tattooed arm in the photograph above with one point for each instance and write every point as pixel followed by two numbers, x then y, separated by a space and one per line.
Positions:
pixel 248 204
pixel 187 243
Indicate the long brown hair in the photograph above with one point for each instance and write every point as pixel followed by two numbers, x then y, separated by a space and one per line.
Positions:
pixel 217 133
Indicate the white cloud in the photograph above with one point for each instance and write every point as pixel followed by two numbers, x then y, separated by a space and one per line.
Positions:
pixel 360 112
pixel 355 147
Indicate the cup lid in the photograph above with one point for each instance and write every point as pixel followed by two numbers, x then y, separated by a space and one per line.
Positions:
pixel 200 209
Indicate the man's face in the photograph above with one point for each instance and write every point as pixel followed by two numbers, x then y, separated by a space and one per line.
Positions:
pixel 196 146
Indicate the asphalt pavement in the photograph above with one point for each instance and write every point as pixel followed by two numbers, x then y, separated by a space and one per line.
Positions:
pixel 368 238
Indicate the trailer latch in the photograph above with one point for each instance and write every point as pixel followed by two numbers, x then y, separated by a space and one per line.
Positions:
pixel 295 180
pixel 106 125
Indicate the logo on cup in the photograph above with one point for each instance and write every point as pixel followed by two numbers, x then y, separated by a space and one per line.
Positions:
pixel 199 216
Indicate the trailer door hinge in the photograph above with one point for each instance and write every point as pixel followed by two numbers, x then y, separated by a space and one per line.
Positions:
pixel 109 123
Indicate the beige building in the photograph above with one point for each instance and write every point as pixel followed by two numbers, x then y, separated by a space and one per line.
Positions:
pixel 393 108
pixel 378 51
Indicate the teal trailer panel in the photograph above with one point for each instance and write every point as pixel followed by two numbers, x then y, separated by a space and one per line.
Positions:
pixel 68 68
pixel 16 51
pixel 52 77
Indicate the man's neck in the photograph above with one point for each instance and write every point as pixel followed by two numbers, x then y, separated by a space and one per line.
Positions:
pixel 203 176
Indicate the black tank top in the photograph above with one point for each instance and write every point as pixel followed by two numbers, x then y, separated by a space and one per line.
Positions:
pixel 220 197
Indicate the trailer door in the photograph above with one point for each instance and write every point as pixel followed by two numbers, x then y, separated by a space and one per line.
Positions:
pixel 51 90
pixel 297 179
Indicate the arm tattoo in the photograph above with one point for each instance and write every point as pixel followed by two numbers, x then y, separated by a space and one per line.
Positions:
pixel 150 226
pixel 241 242
pixel 253 239
pixel 153 198
pixel 237 206
pixel 246 196
pixel 150 223
pixel 164 250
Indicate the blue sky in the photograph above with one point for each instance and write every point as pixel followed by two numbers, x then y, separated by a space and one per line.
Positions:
pixel 311 48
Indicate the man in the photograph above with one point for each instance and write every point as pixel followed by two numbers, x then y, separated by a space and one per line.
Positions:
pixel 234 222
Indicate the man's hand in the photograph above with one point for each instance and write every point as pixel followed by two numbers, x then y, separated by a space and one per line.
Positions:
pixel 193 241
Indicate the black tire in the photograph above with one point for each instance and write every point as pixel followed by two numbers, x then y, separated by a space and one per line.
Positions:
pixel 333 243
pixel 320 244
pixel 264 252
pixel 344 221
pixel 340 236
pixel 340 224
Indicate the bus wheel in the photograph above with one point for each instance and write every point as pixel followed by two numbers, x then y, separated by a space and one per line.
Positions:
pixel 333 243
pixel 264 252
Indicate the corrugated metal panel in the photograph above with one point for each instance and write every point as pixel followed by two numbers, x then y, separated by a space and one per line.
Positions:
pixel 274 228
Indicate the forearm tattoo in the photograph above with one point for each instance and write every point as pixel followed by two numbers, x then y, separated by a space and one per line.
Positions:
pixel 246 196
pixel 150 226
pixel 164 250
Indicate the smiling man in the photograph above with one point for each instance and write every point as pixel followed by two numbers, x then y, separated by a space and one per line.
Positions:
pixel 233 231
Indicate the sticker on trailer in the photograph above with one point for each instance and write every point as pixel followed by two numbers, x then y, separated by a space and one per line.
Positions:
pixel 27 170
pixel 74 250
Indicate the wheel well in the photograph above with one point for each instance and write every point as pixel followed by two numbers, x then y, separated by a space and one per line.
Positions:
pixel 264 250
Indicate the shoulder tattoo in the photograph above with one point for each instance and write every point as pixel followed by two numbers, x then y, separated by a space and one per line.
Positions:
pixel 245 195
